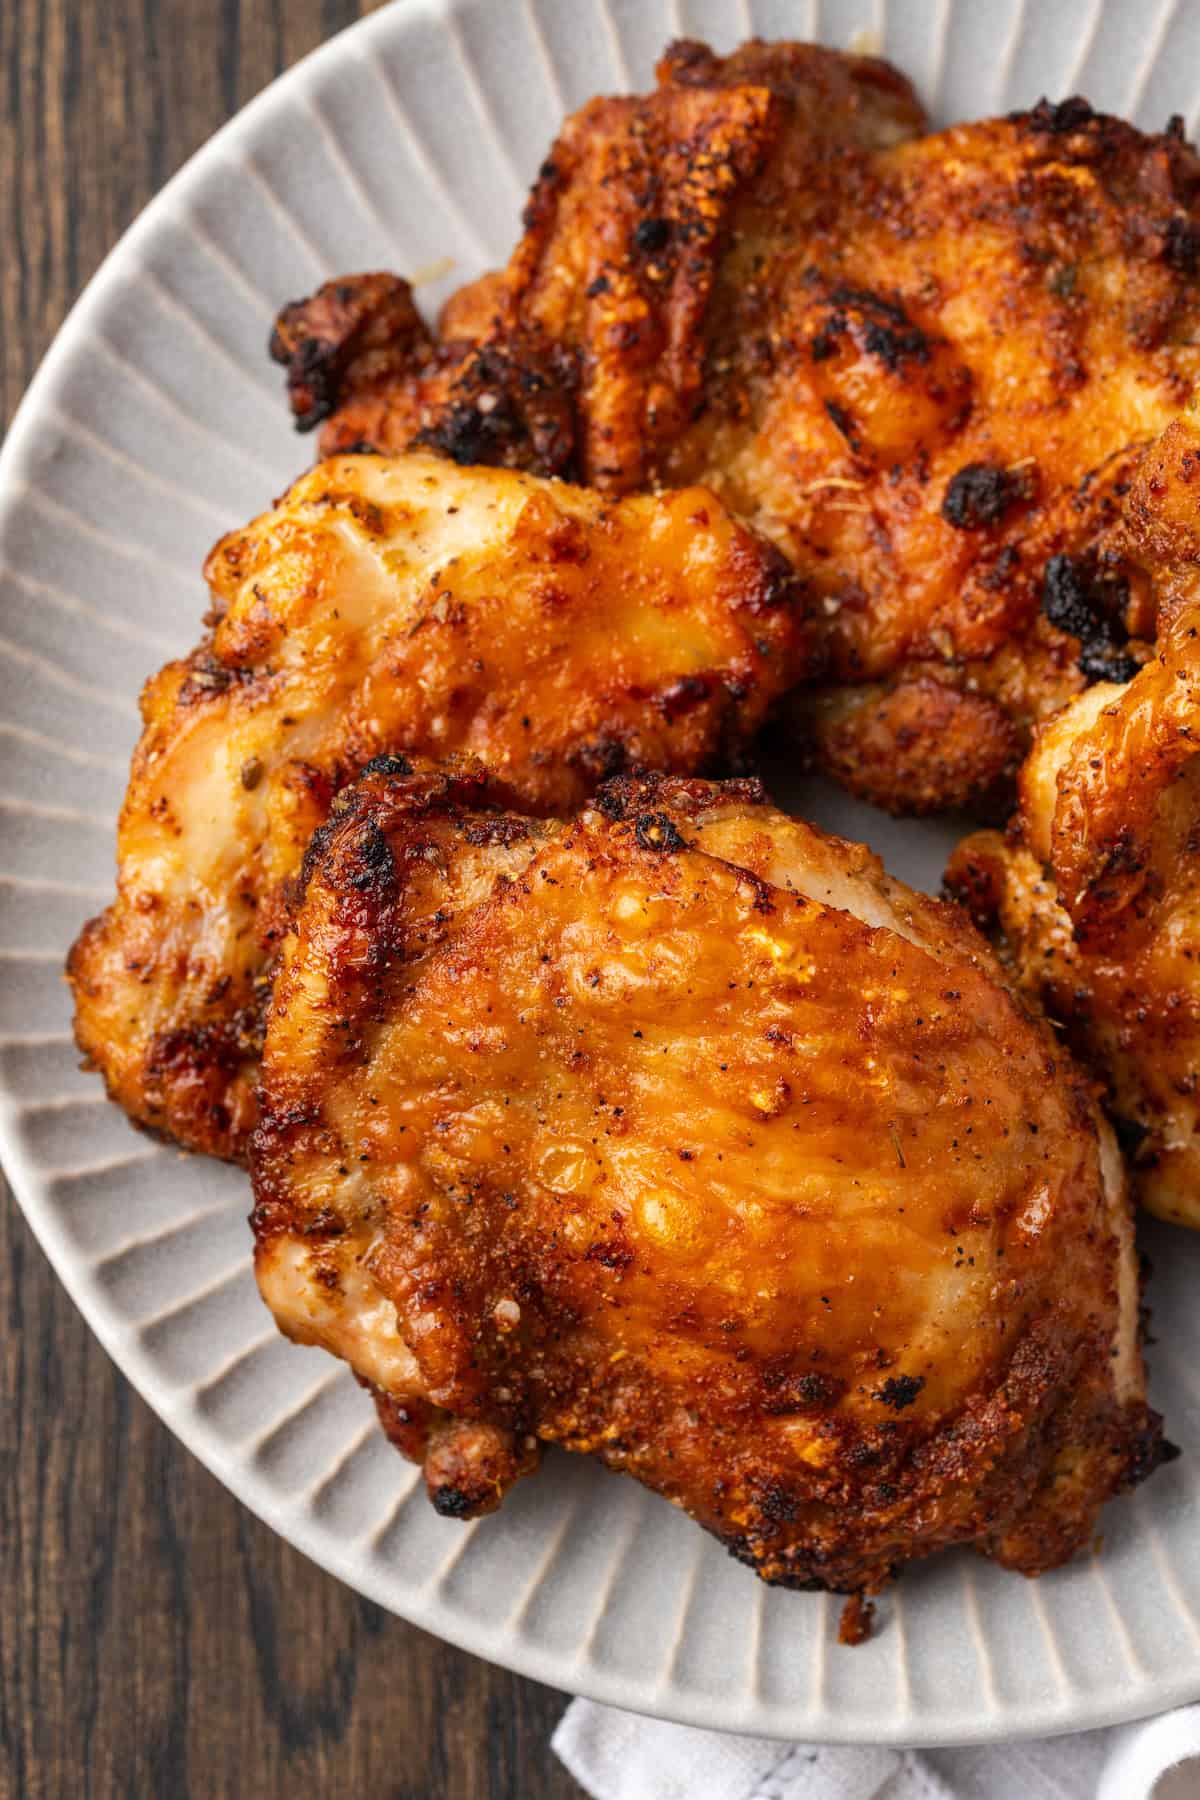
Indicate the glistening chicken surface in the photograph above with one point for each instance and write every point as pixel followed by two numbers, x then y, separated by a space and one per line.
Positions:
pixel 677 1133
pixel 399 604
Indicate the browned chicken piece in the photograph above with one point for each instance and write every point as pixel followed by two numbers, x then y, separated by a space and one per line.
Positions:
pixel 358 359
pixel 677 1133
pixel 397 604
pixel 924 365
pixel 1094 894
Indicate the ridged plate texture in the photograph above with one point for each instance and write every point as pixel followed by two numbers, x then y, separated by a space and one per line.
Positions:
pixel 155 423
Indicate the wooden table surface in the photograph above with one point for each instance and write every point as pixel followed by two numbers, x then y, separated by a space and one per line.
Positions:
pixel 155 1639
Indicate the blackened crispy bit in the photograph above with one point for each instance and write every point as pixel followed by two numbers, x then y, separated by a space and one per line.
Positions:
pixel 979 495
pixel 351 326
pixel 1088 602
pixel 511 407
pixel 899 1391
pixel 1059 117
pixel 655 831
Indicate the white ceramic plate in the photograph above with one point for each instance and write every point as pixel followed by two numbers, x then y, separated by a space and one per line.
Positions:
pixel 155 423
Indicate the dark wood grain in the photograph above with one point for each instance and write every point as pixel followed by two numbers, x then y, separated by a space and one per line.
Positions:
pixel 155 1639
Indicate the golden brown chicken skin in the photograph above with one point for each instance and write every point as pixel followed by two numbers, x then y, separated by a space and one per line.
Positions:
pixel 1094 892
pixel 924 365
pixel 399 603
pixel 678 1134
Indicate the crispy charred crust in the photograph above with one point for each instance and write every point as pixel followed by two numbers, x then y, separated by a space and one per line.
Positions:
pixel 766 581
pixel 1017 1434
pixel 788 1389
pixel 1091 894
pixel 1181 246
pixel 353 831
pixel 1115 984
pixel 603 757
pixel 1088 601
pixel 1097 136
pixel 973 878
pixel 880 326
pixel 899 1391
pixel 510 405
pixel 1148 1450
pixel 456 1503
pixel 1120 768
pixel 980 495
pixel 392 765
pixel 207 676
pixel 353 330
pixel 1058 117
pixel 514 397
pixel 656 831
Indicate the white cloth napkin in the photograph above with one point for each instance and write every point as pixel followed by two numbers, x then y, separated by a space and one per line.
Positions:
pixel 620 1756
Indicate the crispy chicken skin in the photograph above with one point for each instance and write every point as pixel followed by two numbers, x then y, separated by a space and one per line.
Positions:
pixel 677 1133
pixel 1093 893
pixel 924 365
pixel 398 603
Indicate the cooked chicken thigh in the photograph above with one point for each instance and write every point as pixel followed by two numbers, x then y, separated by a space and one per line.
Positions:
pixel 398 604
pixel 924 365
pixel 1095 892
pixel 679 1134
